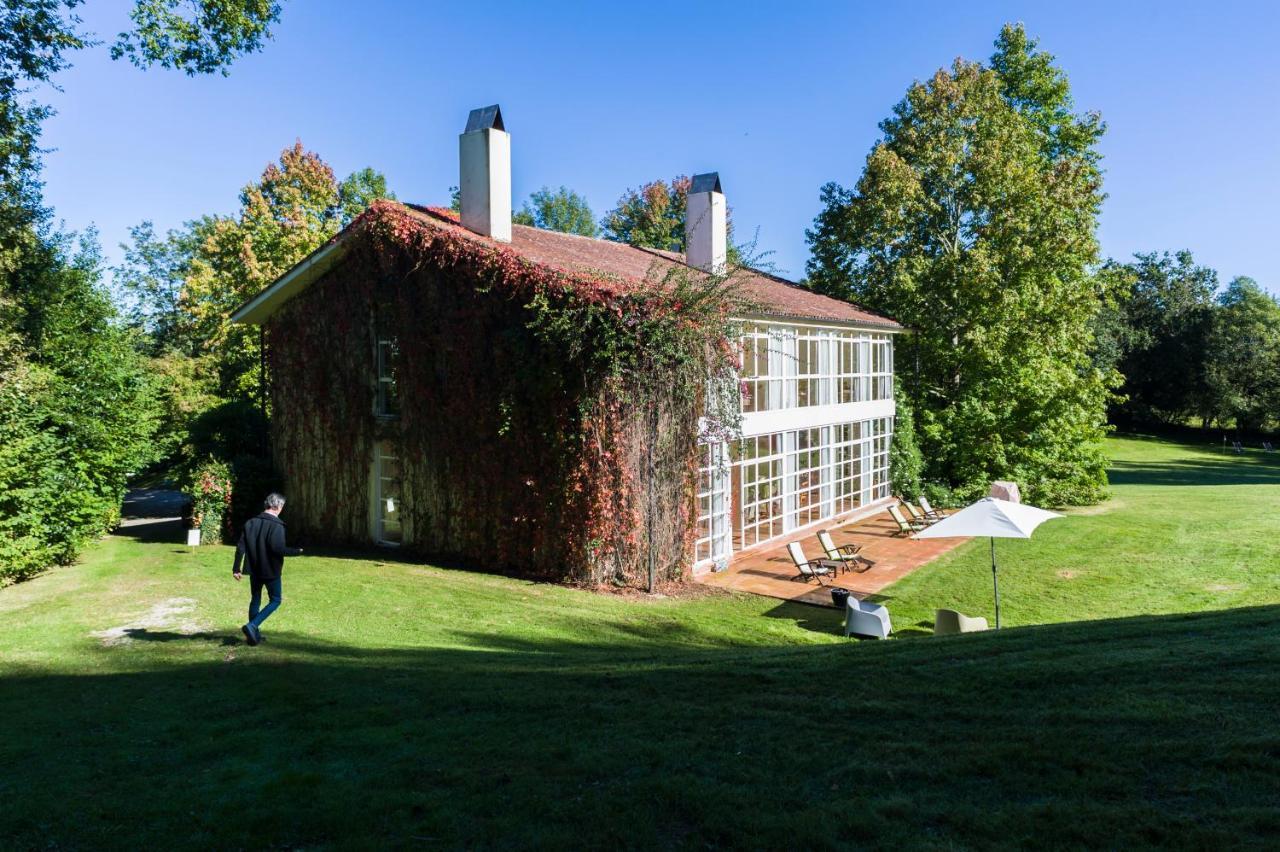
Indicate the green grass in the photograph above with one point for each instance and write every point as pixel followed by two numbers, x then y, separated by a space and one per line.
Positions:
pixel 401 705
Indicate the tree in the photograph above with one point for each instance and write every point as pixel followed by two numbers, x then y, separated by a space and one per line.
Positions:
pixel 360 189
pixel 207 39
pixel 180 290
pixel 1157 334
pixel 1243 357
pixel 78 410
pixel 558 210
pixel 77 407
pixel 148 285
pixel 974 224
pixel 653 217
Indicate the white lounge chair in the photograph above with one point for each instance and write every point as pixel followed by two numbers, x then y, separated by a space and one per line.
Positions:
pixel 918 516
pixel 948 621
pixel 929 511
pixel 845 556
pixel 905 527
pixel 810 569
pixel 868 620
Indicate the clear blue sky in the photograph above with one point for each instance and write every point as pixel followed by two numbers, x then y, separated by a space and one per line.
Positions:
pixel 778 98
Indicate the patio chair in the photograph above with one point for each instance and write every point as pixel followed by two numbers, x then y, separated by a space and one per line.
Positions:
pixel 845 556
pixel 917 515
pixel 1266 445
pixel 948 621
pixel 929 511
pixel 809 568
pixel 868 620
pixel 905 527
pixel 1238 447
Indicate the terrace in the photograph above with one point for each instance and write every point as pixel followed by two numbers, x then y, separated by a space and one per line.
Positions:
pixel 769 571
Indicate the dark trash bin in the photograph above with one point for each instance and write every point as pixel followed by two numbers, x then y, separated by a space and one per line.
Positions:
pixel 840 597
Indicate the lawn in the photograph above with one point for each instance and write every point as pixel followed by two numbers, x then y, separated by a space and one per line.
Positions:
pixel 400 704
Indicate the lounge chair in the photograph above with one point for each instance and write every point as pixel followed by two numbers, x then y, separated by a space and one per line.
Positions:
pixel 845 556
pixel 929 511
pixel 917 515
pixel 948 621
pixel 868 620
pixel 1266 445
pixel 1236 445
pixel 905 527
pixel 814 569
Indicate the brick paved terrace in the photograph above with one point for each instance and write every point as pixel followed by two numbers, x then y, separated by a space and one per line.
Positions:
pixel 769 571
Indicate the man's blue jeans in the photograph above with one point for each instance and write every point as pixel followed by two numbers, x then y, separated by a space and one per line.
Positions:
pixel 255 598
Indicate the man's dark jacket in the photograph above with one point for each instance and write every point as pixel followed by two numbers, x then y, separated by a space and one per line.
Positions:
pixel 261 545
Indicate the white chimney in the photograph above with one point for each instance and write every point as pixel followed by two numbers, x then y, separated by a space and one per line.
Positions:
pixel 705 231
pixel 484 174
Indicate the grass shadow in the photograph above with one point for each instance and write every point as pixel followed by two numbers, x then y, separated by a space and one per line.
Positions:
pixel 551 743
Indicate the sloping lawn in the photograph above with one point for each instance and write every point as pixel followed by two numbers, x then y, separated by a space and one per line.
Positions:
pixel 400 705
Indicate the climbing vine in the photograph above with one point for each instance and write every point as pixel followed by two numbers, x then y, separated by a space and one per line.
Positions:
pixel 549 420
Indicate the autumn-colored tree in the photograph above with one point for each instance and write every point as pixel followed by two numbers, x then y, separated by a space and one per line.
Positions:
pixel 653 217
pixel 974 225
pixel 216 263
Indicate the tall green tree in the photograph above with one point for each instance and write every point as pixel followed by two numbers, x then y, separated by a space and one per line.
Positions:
pixel 558 210
pixel 1157 334
pixel 974 225
pixel 78 409
pixel 1243 357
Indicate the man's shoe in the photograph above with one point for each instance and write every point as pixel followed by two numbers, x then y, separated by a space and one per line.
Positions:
pixel 250 634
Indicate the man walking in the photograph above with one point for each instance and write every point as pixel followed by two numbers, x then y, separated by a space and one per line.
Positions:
pixel 261 545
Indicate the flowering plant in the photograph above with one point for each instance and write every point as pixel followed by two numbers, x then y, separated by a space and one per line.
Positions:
pixel 209 488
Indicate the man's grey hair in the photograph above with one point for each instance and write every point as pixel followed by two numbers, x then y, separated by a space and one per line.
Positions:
pixel 273 501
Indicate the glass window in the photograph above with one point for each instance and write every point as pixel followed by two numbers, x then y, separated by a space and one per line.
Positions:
pixel 388 366
pixel 387 494
pixel 787 366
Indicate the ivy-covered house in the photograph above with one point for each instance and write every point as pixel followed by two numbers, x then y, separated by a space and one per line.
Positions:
pixel 562 406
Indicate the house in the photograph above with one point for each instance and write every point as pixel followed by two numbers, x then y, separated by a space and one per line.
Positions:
pixel 437 383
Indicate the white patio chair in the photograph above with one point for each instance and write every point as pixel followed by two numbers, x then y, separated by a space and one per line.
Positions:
pixel 948 621
pixel 868 620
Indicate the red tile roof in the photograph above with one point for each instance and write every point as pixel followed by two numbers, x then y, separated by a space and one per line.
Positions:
pixel 571 253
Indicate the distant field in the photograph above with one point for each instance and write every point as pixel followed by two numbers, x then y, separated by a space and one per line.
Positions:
pixel 401 704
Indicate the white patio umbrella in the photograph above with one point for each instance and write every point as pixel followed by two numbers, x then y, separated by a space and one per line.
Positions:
pixel 994 518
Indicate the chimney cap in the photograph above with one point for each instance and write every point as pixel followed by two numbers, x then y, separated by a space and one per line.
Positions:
pixel 485 118
pixel 710 182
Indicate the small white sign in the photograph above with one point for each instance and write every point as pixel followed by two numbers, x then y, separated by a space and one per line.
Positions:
pixel 193 538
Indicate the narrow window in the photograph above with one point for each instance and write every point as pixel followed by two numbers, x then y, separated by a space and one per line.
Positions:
pixel 387 494
pixel 387 403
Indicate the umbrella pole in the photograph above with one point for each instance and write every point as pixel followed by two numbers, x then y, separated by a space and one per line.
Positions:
pixel 995 580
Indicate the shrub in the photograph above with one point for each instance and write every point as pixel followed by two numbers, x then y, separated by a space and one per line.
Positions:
pixel 905 459
pixel 210 490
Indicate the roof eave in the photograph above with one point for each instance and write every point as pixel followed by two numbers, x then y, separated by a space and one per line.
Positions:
pixel 887 326
pixel 261 307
